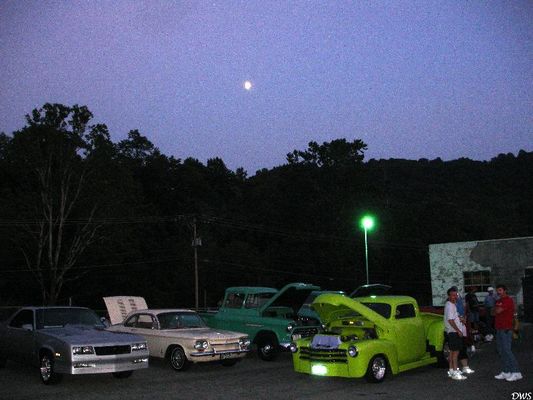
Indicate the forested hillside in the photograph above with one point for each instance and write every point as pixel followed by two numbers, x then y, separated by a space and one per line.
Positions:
pixel 82 217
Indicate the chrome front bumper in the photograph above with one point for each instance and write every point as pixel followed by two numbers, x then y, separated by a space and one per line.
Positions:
pixel 92 364
pixel 220 355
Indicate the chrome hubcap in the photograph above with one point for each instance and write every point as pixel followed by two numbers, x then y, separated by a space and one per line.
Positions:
pixel 46 368
pixel 379 368
pixel 177 359
pixel 266 349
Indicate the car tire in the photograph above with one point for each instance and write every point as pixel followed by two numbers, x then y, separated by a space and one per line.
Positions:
pixel 177 359
pixel 377 369
pixel 230 362
pixel 46 370
pixel 267 347
pixel 122 374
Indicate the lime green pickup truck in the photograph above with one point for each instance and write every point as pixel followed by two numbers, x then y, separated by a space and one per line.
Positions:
pixel 369 337
pixel 268 316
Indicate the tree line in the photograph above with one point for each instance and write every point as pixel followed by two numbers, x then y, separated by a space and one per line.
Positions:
pixel 82 217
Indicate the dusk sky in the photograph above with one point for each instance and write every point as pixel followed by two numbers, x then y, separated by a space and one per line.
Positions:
pixel 412 79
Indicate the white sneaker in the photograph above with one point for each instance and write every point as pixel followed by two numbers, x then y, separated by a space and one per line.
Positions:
pixel 452 371
pixel 468 370
pixel 514 377
pixel 503 375
pixel 456 375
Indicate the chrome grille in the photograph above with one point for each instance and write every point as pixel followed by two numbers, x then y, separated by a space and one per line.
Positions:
pixel 323 355
pixel 305 331
pixel 112 350
pixel 224 345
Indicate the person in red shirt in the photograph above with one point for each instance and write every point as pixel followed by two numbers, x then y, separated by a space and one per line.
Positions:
pixel 503 323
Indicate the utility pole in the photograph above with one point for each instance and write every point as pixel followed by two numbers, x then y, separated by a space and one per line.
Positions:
pixel 196 241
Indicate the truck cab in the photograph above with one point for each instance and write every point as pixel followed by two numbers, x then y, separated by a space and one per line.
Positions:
pixel 267 315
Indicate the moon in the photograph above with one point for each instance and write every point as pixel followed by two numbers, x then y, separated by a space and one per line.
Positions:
pixel 247 85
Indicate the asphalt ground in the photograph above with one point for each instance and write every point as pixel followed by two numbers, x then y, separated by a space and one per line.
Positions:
pixel 256 379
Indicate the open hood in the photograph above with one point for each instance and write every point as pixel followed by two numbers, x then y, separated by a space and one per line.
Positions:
pixel 118 307
pixel 374 289
pixel 330 307
pixel 292 295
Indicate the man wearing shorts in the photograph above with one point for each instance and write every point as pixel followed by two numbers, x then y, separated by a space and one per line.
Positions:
pixel 455 330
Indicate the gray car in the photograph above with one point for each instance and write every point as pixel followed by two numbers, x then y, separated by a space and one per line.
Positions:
pixel 69 340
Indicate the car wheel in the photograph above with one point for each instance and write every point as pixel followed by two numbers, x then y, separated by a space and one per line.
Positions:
pixel 178 360
pixel 267 348
pixel 377 369
pixel 122 374
pixel 229 363
pixel 47 373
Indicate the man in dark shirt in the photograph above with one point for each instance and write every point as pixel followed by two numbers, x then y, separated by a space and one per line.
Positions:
pixel 503 322
pixel 473 308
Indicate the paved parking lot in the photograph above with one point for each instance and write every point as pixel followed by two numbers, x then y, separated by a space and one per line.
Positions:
pixel 253 378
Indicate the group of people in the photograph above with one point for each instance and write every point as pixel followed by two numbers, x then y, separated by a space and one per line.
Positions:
pixel 455 324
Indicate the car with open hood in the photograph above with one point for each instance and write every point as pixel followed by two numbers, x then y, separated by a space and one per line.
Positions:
pixel 269 316
pixel 177 335
pixel 69 340
pixel 369 337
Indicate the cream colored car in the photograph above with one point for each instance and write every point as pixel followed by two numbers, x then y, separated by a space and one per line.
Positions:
pixel 178 335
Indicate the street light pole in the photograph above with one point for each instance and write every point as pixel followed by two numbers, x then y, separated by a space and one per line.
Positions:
pixel 367 222
pixel 366 255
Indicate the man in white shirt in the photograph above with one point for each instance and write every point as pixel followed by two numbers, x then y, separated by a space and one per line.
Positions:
pixel 455 330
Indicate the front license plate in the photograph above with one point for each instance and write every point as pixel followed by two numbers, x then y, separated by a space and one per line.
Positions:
pixel 225 355
pixel 296 336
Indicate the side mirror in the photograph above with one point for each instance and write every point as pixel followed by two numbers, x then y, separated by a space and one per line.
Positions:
pixel 27 327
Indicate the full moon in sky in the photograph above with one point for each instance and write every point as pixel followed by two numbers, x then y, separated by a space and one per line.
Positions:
pixel 247 85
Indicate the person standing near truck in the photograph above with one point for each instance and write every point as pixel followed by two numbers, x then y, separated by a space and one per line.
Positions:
pixel 455 331
pixel 503 323
pixel 489 303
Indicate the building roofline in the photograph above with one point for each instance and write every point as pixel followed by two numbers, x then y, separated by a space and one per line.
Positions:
pixel 484 241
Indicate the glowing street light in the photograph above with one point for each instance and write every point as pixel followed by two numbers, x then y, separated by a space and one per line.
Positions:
pixel 367 223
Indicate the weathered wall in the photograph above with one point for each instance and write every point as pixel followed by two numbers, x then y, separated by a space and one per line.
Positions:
pixel 506 260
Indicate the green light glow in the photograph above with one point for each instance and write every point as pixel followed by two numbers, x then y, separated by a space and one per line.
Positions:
pixel 367 222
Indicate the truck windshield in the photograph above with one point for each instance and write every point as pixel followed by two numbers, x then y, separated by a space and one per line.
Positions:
pixel 59 317
pixel 180 320
pixel 256 300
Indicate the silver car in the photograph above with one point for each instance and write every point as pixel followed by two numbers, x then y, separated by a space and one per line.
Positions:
pixel 69 340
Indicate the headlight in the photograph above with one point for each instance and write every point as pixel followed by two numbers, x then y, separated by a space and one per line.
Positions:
pixel 138 346
pixel 244 342
pixel 293 347
pixel 352 351
pixel 83 350
pixel 201 345
pixel 290 327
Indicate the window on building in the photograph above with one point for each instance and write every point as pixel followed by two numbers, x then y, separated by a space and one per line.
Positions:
pixel 479 279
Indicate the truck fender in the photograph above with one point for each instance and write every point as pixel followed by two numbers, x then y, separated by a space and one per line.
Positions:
pixel 372 348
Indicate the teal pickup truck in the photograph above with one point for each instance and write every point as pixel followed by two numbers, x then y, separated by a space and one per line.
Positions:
pixel 369 337
pixel 267 315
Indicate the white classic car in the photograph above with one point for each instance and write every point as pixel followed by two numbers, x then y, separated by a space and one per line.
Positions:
pixel 178 335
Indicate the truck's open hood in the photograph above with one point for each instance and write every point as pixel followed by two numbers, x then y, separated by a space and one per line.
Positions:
pixel 292 295
pixel 374 289
pixel 118 307
pixel 330 307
